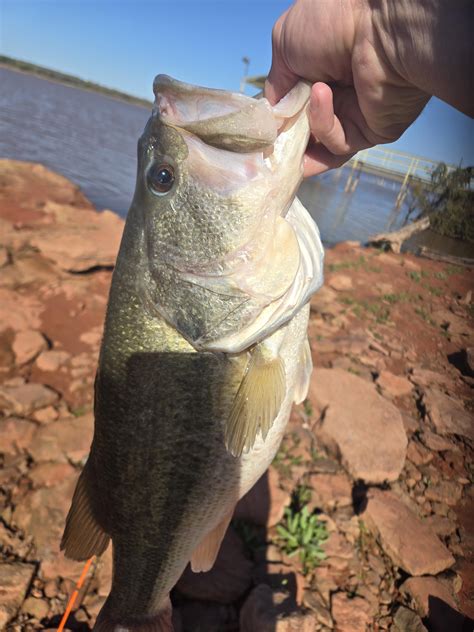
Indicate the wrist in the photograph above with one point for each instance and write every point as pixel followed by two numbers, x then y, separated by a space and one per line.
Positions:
pixel 428 45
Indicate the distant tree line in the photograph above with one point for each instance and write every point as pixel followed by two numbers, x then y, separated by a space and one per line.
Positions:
pixel 70 80
pixel 448 200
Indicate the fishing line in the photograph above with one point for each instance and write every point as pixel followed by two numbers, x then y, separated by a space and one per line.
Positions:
pixel 73 597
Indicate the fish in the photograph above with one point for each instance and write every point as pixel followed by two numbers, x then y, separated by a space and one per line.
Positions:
pixel 205 344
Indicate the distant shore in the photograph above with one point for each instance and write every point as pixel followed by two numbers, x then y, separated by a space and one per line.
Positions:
pixel 69 80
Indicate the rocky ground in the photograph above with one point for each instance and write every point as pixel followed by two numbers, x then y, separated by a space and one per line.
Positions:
pixel 371 487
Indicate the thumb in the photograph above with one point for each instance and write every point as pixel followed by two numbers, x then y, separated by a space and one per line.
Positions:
pixel 280 79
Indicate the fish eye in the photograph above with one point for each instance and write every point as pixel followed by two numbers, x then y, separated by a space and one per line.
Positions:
pixel 160 178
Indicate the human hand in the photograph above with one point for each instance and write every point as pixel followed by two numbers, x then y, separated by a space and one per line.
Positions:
pixel 358 99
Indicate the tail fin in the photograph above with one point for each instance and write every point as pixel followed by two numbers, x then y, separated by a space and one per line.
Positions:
pixel 158 622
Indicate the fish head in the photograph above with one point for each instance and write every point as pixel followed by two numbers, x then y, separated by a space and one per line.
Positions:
pixel 216 172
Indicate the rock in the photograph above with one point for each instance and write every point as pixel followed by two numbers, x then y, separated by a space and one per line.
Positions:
pixel 447 414
pixel 418 454
pixel 427 378
pixel 18 312
pixel 340 282
pixel 66 440
pixel 49 474
pixel 406 620
pixel 51 360
pixel 266 611
pixel 452 323
pixel 315 602
pixel 15 580
pixel 27 345
pixel 337 546
pixel 25 398
pixel 45 415
pixel 447 492
pixel 37 608
pixel 420 589
pixel 350 614
pixel 366 428
pixel 409 543
pixel 330 491
pixel 265 503
pixel 394 385
pixel 15 434
pixel 89 241
pixel 42 515
pixel 441 525
pixel 228 579
pixel 92 337
pixel 435 442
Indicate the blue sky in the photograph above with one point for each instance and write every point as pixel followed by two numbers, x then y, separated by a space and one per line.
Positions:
pixel 125 43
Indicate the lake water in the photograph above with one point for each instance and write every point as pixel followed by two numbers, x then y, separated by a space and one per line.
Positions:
pixel 91 139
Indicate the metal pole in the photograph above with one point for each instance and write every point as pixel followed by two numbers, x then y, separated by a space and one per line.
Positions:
pixel 243 81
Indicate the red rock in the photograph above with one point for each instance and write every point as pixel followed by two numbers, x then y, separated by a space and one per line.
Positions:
pixel 330 490
pixel 90 240
pixel 37 608
pixel 49 474
pixel 428 378
pixel 27 345
pixel 42 515
pixel 409 543
pixel 441 525
pixel 421 588
pixel 452 323
pixel 350 614
pixel 265 503
pixel 4 257
pixel 367 429
pixel 18 312
pixel 266 611
pixel 447 414
pixel 435 442
pixel 406 620
pixel 337 546
pixel 14 581
pixel 394 385
pixel 64 440
pixel 51 360
pixel 15 434
pixel 340 282
pixel 25 398
pixel 418 454
pixel 447 492
pixel 45 415
pixel 228 579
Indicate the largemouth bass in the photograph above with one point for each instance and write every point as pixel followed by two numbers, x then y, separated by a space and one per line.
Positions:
pixel 205 346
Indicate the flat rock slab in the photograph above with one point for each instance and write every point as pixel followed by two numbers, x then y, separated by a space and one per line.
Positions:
pixel 14 582
pixel 409 543
pixel 90 241
pixel 23 399
pixel 64 440
pixel 350 614
pixel 447 414
pixel 367 429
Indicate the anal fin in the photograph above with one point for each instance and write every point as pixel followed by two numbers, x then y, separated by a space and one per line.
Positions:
pixel 257 402
pixel 83 536
pixel 303 377
pixel 204 555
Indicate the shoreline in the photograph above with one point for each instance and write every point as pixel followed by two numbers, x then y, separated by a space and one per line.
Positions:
pixel 73 82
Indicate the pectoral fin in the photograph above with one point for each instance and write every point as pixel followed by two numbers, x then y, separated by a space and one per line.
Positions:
pixel 257 402
pixel 204 555
pixel 305 367
pixel 83 536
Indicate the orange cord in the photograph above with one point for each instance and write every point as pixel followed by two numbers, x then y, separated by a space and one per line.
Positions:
pixel 73 597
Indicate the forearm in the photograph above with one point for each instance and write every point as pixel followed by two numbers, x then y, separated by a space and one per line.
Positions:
pixel 428 43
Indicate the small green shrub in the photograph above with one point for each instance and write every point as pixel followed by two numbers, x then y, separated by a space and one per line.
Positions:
pixel 302 534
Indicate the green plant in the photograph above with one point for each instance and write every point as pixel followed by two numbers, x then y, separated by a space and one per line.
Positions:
pixel 448 200
pixel 415 276
pixel 302 534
